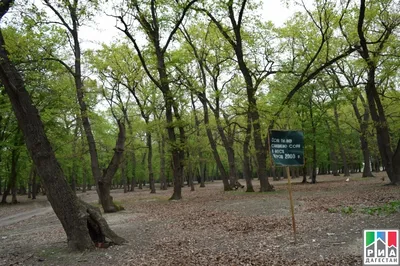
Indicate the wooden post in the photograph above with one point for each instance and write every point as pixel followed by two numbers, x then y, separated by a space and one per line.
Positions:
pixel 291 203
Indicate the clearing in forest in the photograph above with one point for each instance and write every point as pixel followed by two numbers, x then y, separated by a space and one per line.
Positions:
pixel 212 227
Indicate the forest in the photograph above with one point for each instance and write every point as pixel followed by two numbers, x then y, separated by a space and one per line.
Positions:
pixel 185 97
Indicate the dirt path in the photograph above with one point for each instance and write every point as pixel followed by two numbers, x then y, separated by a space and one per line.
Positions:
pixel 4 221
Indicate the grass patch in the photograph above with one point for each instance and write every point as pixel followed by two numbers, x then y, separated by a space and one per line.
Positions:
pixel 333 210
pixel 388 208
pixel 347 210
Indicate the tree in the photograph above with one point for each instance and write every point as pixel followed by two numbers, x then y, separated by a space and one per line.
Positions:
pixel 70 15
pixel 82 222
pixel 371 52
pixel 149 18
pixel 253 79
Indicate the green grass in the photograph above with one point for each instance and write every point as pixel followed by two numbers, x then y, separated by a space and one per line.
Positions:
pixel 333 210
pixel 347 210
pixel 386 209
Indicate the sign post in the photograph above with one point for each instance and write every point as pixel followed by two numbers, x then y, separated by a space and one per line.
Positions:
pixel 287 149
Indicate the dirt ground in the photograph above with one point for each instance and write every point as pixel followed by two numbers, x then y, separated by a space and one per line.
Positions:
pixel 212 227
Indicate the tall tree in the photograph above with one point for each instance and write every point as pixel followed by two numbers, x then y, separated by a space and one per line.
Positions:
pixel 82 222
pixel 69 15
pixel 371 52
pixel 150 17
pixel 253 79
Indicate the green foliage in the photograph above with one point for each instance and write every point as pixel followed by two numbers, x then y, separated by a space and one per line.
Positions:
pixel 347 210
pixel 387 209
pixel 290 53
pixel 333 210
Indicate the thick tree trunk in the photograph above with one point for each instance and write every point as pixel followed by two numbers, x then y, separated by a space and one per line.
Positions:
pixel 104 184
pixel 34 184
pixel 190 172
pixel 29 182
pixel 382 130
pixel 259 147
pixel 203 174
pixel 7 190
pixel 333 160
pixel 246 157
pixel 304 173
pixel 74 218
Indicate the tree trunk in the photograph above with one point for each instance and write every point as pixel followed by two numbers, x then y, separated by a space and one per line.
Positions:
pixel 213 143
pixel 341 147
pixel 29 181
pixel 363 121
pixel 75 216
pixel 123 176
pixel 34 183
pixel 190 173
pixel 390 160
pixel 163 177
pixel 150 162
pixel 314 145
pixel 251 89
pixel 246 157
pixel 227 143
pixel 85 174
pixel 203 170
pixel 304 172
pixel 7 190
pixel 13 177
pixel 103 181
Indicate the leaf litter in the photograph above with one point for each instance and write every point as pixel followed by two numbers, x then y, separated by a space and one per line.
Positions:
pixel 212 227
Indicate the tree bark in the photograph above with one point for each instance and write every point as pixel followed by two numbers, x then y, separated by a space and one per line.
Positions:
pixel 246 158
pixel 150 162
pixel 105 182
pixel 74 168
pixel 163 177
pixel 13 174
pixel 363 124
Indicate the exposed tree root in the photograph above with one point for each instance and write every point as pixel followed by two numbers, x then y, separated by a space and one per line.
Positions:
pixel 99 231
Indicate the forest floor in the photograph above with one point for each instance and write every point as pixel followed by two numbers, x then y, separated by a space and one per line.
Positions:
pixel 212 227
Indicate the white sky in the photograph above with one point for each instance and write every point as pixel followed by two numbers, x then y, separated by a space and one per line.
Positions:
pixel 103 29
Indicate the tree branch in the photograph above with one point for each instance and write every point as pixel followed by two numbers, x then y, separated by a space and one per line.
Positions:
pixel 178 23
